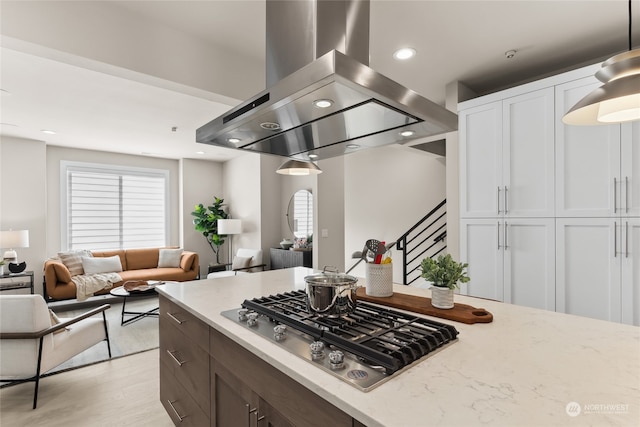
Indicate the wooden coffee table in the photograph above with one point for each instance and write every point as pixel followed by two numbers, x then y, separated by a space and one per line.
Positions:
pixel 121 292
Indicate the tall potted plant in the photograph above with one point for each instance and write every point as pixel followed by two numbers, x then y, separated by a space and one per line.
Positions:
pixel 444 274
pixel 206 222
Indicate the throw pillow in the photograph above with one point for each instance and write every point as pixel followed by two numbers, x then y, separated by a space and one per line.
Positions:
pixel 73 260
pixel 99 265
pixel 241 262
pixel 169 258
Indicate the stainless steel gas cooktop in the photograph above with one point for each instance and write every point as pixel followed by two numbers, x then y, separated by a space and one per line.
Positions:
pixel 364 348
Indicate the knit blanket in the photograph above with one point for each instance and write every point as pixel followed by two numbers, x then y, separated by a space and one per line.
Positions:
pixel 88 284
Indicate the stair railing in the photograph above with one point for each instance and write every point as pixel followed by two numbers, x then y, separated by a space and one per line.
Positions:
pixel 426 239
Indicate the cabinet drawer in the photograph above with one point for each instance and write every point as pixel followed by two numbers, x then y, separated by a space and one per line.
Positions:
pixel 186 361
pixel 185 322
pixel 179 404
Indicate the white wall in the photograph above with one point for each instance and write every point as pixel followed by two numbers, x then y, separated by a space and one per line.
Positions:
pixel 387 190
pixel 329 214
pixel 23 199
pixel 241 189
pixel 200 182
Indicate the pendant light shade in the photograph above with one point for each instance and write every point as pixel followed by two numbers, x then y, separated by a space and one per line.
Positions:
pixel 618 100
pixel 298 167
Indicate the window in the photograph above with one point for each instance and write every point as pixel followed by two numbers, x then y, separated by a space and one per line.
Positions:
pixel 108 207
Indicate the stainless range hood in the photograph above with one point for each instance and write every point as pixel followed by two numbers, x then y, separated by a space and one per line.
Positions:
pixel 318 51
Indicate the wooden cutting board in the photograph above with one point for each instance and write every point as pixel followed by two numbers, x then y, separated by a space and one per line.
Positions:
pixel 460 312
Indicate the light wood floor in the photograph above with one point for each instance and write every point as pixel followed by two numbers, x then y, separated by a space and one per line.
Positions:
pixel 119 392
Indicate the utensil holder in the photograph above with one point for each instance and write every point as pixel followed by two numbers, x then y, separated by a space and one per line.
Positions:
pixel 379 280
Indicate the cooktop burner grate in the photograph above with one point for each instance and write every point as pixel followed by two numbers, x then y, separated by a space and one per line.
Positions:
pixel 378 336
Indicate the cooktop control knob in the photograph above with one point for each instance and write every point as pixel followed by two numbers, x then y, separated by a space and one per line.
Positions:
pixel 252 319
pixel 242 314
pixel 317 350
pixel 280 332
pixel 336 360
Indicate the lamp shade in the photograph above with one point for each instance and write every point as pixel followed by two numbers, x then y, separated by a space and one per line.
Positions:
pixel 229 226
pixel 14 239
pixel 298 167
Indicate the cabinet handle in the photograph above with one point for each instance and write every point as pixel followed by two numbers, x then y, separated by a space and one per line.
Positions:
pixel 626 240
pixel 615 239
pixel 258 418
pixel 175 411
pixel 626 194
pixel 506 238
pixel 175 358
pixel 178 321
pixel 615 195
pixel 498 234
pixel 498 200
pixel 506 206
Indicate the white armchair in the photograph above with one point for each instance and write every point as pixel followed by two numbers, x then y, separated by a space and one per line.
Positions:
pixel 245 261
pixel 33 341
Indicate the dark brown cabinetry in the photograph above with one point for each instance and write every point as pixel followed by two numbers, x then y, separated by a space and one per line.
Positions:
pixel 206 379
pixel 285 258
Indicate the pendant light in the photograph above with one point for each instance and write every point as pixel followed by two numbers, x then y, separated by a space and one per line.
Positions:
pixel 618 100
pixel 298 167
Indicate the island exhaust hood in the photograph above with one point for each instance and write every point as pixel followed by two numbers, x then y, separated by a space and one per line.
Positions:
pixel 323 100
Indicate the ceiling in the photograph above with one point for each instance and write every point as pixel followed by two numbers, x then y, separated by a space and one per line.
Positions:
pixel 455 41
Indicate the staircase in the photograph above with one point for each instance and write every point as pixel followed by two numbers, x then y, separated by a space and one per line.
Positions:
pixel 426 239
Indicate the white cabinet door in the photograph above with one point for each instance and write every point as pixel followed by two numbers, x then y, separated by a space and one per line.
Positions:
pixel 528 155
pixel 529 262
pixel 481 248
pixel 588 267
pixel 480 160
pixel 630 257
pixel 630 170
pixel 587 159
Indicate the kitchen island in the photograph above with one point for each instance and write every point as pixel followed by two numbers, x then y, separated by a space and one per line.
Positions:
pixel 528 367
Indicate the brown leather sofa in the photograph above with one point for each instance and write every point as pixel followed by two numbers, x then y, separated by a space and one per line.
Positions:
pixel 137 264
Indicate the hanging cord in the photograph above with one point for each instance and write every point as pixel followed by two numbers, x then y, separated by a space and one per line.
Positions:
pixel 630 24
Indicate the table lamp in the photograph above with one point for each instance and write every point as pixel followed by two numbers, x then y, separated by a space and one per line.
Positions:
pixel 10 240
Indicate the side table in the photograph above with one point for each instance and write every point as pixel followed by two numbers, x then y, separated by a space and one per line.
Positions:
pixel 25 281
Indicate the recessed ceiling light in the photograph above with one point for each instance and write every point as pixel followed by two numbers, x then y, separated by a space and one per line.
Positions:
pixel 200 152
pixel 353 146
pixel 234 140
pixel 404 53
pixel 48 132
pixel 313 156
pixel 323 103
pixel 407 133
pixel 270 126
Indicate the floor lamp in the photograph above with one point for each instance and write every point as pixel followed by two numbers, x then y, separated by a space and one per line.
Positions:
pixel 229 227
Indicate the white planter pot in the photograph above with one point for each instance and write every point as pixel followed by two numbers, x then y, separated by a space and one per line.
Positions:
pixel 441 297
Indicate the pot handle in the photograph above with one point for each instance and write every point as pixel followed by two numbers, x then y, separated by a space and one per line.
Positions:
pixel 331 269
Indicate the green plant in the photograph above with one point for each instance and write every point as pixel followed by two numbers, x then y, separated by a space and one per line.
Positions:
pixel 206 222
pixel 444 272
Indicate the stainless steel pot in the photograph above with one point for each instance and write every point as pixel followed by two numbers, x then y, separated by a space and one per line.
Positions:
pixel 330 293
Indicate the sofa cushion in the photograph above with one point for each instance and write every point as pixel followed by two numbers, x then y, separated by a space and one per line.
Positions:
pixel 142 258
pixel 102 265
pixel 169 258
pixel 119 252
pixel 73 261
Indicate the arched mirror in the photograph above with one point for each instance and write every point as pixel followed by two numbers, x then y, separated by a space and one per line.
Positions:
pixel 300 213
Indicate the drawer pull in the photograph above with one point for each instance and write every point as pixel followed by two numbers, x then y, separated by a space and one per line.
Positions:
pixel 175 358
pixel 175 411
pixel 178 321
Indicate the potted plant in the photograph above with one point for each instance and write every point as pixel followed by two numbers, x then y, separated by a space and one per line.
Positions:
pixel 444 274
pixel 206 222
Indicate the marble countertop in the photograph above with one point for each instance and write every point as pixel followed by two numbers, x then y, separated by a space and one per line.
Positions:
pixel 528 367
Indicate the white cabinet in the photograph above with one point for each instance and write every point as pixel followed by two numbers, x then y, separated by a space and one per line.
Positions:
pixel 597 167
pixel 598 272
pixel 510 260
pixel 506 153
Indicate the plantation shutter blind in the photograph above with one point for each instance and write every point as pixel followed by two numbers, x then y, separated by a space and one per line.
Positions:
pixel 109 210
